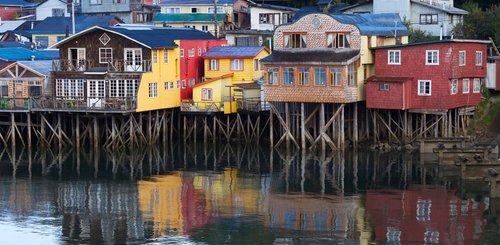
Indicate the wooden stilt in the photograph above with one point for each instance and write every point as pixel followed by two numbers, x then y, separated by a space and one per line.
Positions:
pixel 355 126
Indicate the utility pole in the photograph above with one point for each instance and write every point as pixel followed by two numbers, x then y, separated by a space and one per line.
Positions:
pixel 73 16
pixel 216 23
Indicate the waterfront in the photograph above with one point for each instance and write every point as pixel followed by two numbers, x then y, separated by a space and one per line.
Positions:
pixel 236 194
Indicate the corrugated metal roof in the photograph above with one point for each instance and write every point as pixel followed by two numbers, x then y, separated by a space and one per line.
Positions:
pixel 446 8
pixel 10 25
pixel 152 37
pixel 374 24
pixel 304 55
pixel 17 3
pixel 233 51
pixel 59 25
pixel 187 17
pixel 16 54
pixel 192 2
pixel 277 7
pixel 41 66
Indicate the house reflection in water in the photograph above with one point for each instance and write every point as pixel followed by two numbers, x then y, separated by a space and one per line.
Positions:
pixel 424 215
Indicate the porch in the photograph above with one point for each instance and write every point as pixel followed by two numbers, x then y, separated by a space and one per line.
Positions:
pixel 114 65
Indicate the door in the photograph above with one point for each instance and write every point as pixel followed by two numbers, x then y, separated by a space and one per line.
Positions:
pixel 18 93
pixel 133 59
pixel 76 57
pixel 96 92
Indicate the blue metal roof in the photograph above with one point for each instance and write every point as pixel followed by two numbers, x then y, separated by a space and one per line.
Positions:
pixel 17 3
pixel 41 66
pixel 151 36
pixel 374 24
pixel 16 54
pixel 59 25
pixel 187 18
pixel 233 51
pixel 192 2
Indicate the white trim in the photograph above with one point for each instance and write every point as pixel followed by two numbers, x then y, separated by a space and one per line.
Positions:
pixel 468 86
pixel 481 61
pixel 465 57
pixel 427 55
pixel 474 87
pixel 453 91
pixel 389 57
pixel 430 88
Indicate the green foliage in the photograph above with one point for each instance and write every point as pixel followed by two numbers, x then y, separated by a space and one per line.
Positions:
pixel 417 35
pixel 479 23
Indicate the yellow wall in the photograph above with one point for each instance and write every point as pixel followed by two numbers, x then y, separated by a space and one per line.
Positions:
pixel 161 73
pixel 219 90
pixel 245 76
pixel 52 37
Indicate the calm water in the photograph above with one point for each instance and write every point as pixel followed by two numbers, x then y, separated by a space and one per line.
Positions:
pixel 229 194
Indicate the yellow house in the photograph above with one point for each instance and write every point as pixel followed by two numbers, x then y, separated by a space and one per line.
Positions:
pixel 229 71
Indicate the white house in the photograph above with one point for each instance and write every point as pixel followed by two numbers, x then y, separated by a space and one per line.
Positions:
pixel 437 17
pixel 52 8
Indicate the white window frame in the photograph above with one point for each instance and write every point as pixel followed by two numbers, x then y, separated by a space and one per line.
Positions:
pixel 153 90
pixel 182 52
pixel 433 62
pixel 465 89
pixel 423 82
pixel 392 54
pixel 155 56
pixel 454 86
pixel 191 52
pixel 236 65
pixel 460 61
pixel 213 65
pixel 476 85
pixel 199 51
pixel 479 58
pixel 101 61
pixel 165 56
pixel 207 94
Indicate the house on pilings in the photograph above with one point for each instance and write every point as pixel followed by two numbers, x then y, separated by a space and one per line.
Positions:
pixel 316 75
pixel 426 89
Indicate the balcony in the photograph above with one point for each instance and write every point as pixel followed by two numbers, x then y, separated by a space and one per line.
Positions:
pixel 252 105
pixel 202 107
pixel 84 104
pixel 114 65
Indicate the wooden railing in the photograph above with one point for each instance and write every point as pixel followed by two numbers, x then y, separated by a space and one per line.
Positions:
pixel 253 104
pixel 202 106
pixel 65 103
pixel 110 66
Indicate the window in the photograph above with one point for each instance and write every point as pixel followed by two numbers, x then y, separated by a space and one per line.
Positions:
pixel 287 18
pixel 199 51
pixel 56 12
pixel 204 28
pixel 428 19
pixel 41 41
pixel 479 58
pixel 272 76
pixel 352 73
pixel 338 40
pixel 4 88
pixel 165 85
pixel 182 52
pixel 288 76
pixel 465 86
pixel 155 56
pixel 269 19
pixel 213 65
pixel 178 84
pixel 191 52
pixel 206 94
pixel 303 78
pixel 476 87
pixel 171 85
pixel 335 76
pixel 236 65
pixel 104 39
pixel 319 76
pixel 173 10
pixel 122 88
pixel 183 83
pixel 153 90
pixel 165 56
pixel 105 55
pixel 383 87
pixel 191 82
pixel 211 10
pixel 394 57
pixel 295 40
pixel 424 87
pixel 461 58
pixel 119 1
pixel 255 64
pixel 454 86
pixel 95 2
pixel 432 57
pixel 69 88
pixel 60 38
pixel 194 10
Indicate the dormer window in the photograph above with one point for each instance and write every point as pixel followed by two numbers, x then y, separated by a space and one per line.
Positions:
pixel 338 40
pixel 295 40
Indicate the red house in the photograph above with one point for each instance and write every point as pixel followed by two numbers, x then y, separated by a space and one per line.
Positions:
pixel 11 9
pixel 191 63
pixel 424 215
pixel 430 76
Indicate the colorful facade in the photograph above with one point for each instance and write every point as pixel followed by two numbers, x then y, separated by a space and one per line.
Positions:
pixel 438 75
pixel 122 68
pixel 326 58
pixel 225 69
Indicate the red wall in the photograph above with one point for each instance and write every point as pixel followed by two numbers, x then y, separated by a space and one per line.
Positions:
pixel 497 87
pixel 413 59
pixel 392 99
pixel 9 12
pixel 193 67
